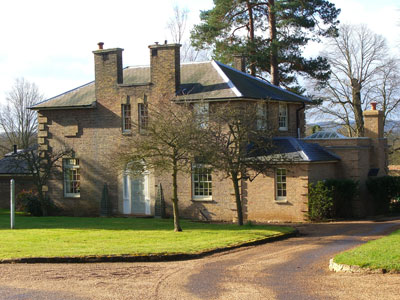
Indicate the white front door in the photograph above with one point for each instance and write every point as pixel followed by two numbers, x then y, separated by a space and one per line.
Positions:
pixel 136 194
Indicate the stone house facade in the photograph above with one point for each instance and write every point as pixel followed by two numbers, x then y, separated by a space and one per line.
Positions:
pixel 94 120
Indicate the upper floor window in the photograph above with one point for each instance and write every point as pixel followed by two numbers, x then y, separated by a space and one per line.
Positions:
pixel 201 182
pixel 126 116
pixel 283 116
pixel 201 111
pixel 262 114
pixel 72 177
pixel 143 116
pixel 280 184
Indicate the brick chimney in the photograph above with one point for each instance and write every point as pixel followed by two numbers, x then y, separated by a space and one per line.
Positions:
pixel 373 128
pixel 239 62
pixel 108 68
pixel 165 68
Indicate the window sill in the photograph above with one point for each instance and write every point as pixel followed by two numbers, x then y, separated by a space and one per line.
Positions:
pixel 202 199
pixel 283 129
pixel 281 201
pixel 72 196
pixel 127 133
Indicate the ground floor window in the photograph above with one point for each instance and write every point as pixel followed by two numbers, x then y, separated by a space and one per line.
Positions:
pixel 201 182
pixel 280 184
pixel 72 177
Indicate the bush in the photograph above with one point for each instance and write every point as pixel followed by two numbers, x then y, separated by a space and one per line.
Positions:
pixel 320 201
pixel 28 202
pixel 385 193
pixel 331 199
pixel 344 191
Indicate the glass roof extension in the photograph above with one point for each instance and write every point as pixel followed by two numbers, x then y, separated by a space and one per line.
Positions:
pixel 326 135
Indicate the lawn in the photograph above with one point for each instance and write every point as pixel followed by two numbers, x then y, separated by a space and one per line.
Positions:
pixel 383 253
pixel 72 236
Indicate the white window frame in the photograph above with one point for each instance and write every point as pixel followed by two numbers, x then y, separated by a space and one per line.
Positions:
pixel 67 168
pixel 123 113
pixel 283 117
pixel 262 115
pixel 208 181
pixel 280 181
pixel 143 116
pixel 201 111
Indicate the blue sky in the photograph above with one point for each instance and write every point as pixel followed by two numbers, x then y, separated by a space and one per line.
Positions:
pixel 51 42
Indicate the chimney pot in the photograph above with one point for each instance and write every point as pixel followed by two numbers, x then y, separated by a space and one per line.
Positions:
pixel 165 42
pixel 373 105
pixel 156 43
pixel 15 149
pixel 100 44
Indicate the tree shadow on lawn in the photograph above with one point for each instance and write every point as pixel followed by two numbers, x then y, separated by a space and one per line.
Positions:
pixel 29 222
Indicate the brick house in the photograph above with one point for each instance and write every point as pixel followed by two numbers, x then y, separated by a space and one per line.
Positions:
pixel 94 120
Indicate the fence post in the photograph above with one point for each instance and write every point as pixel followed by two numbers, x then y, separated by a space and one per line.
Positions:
pixel 12 203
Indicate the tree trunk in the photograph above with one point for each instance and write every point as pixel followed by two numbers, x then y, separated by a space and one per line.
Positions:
pixel 177 225
pixel 237 199
pixel 251 32
pixel 358 113
pixel 43 204
pixel 273 56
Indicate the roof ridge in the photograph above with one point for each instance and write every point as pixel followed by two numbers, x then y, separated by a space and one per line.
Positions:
pixel 263 81
pixel 44 101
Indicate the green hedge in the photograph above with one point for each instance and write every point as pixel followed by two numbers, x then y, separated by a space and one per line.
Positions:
pixel 385 192
pixel 331 199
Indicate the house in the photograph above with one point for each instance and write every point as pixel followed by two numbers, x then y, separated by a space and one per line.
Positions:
pixel 12 168
pixel 95 119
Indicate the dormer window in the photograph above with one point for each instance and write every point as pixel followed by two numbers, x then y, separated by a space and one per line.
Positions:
pixel 283 117
pixel 126 116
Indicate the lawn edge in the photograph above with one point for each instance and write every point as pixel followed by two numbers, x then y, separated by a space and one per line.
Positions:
pixel 343 268
pixel 147 258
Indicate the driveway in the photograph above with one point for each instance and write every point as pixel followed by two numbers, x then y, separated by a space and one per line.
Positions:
pixel 296 268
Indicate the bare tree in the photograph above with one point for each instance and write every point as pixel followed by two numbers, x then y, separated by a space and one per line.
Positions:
pixel 41 165
pixel 16 120
pixel 361 72
pixel 163 144
pixel 237 135
pixel 177 26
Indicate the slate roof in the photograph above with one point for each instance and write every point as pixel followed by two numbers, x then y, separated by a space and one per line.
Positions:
pixel 290 149
pixel 210 80
pixel 9 165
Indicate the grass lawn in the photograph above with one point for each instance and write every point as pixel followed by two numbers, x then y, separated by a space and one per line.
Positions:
pixel 70 236
pixel 383 253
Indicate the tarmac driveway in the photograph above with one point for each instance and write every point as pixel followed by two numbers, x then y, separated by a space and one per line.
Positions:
pixel 291 269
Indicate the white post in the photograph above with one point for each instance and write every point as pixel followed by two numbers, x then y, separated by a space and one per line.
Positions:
pixel 12 203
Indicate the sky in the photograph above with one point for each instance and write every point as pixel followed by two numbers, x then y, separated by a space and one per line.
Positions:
pixel 50 42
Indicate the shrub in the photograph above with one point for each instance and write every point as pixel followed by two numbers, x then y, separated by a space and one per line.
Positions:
pixel 385 193
pixel 344 191
pixel 28 202
pixel 320 201
pixel 330 199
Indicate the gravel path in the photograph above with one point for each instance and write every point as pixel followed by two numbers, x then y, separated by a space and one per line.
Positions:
pixel 291 269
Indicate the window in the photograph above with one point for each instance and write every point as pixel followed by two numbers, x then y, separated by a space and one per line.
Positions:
pixel 283 116
pixel 201 113
pixel 143 116
pixel 72 177
pixel 280 184
pixel 126 116
pixel 262 114
pixel 201 182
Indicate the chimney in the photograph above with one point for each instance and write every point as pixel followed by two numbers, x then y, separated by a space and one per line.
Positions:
pixel 373 122
pixel 239 62
pixel 108 68
pixel 373 128
pixel 165 68
pixel 15 150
